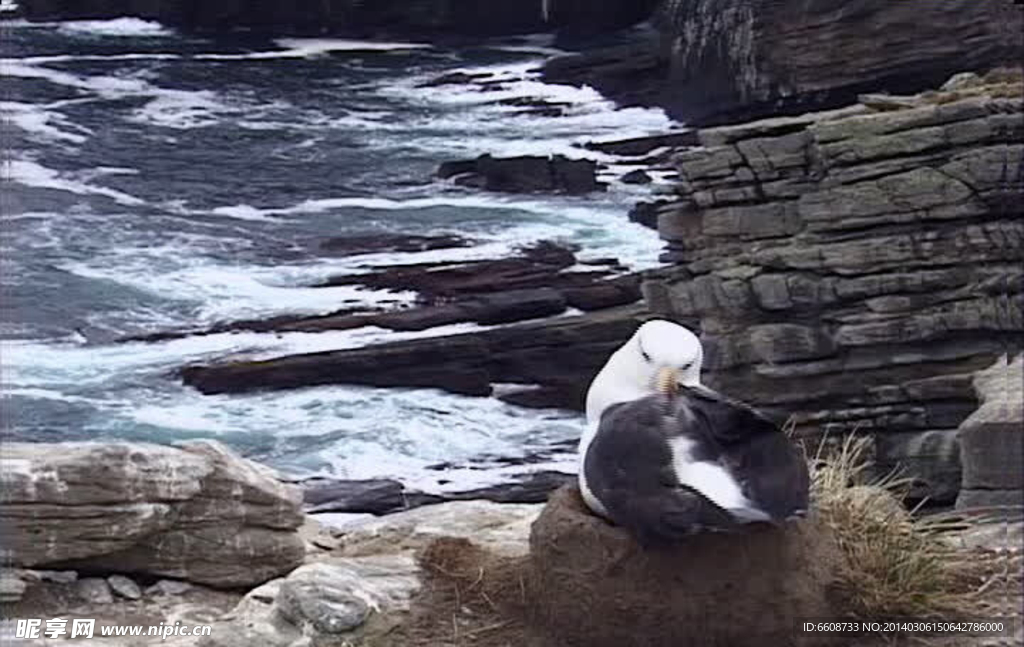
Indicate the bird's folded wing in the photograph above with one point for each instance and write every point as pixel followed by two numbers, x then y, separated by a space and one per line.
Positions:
pixel 725 419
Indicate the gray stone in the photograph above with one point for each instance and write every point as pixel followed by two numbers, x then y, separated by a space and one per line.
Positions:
pixel 94 590
pixel 195 512
pixel 168 587
pixel 971 499
pixel 992 438
pixel 318 597
pixel 772 291
pixel 12 587
pixel 930 458
pixel 501 527
pixel 781 343
pixel 124 587
pixel 771 220
pixel 57 577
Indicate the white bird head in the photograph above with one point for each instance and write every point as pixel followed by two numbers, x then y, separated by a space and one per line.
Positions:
pixel 660 356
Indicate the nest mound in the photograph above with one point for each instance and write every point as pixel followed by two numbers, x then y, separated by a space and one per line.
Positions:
pixel 587 583
pixel 594 585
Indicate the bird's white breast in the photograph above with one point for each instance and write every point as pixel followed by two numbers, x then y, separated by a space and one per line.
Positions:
pixel 588 496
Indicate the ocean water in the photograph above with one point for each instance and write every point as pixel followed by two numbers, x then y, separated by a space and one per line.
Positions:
pixel 156 181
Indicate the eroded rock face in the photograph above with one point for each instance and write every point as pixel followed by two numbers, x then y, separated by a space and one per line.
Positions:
pixel 992 440
pixel 595 587
pixel 727 61
pixel 853 268
pixel 196 512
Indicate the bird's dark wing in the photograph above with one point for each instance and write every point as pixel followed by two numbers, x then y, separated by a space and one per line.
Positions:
pixel 629 469
pixel 772 471
pixel 774 474
pixel 724 419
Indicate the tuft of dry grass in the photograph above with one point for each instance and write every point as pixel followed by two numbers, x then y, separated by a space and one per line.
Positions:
pixel 898 565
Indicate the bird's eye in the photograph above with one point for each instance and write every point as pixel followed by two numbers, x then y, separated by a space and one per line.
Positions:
pixel 647 358
pixel 687 366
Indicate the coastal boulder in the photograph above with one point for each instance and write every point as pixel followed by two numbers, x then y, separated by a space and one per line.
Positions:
pixel 524 174
pixel 594 586
pixel 194 512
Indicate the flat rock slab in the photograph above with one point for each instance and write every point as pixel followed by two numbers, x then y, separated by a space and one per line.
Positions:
pixel 559 357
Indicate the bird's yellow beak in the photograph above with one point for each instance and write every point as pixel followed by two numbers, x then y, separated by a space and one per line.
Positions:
pixel 668 381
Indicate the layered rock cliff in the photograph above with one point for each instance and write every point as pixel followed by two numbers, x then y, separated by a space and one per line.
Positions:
pixel 724 61
pixel 853 268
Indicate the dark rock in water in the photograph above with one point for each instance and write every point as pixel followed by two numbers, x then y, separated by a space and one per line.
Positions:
pixel 636 177
pixel 454 78
pixel 375 496
pixel 564 353
pixel 646 213
pixel 383 496
pixel 638 146
pixel 537 266
pixel 536 107
pixel 382 243
pixel 531 285
pixel 744 589
pixel 526 174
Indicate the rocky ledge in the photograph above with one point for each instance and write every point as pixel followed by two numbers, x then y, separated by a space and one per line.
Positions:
pixel 853 268
pixel 541 280
pixel 551 361
pixel 147 509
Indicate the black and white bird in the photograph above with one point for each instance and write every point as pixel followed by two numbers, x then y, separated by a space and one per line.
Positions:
pixel 664 456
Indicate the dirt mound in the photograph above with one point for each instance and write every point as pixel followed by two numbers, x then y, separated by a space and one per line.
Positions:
pixel 596 586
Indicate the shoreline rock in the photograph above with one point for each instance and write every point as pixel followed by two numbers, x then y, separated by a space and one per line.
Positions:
pixel 524 174
pixel 196 512
pixel 553 360
pixel 540 281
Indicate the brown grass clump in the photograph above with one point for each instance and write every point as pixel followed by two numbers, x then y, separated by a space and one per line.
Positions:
pixel 898 565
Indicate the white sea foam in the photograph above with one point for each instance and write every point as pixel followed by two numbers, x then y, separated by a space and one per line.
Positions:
pixel 342 431
pixel 123 27
pixel 40 122
pixel 312 47
pixel 29 173
pixel 167 107
pixel 230 292
pixel 8 5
